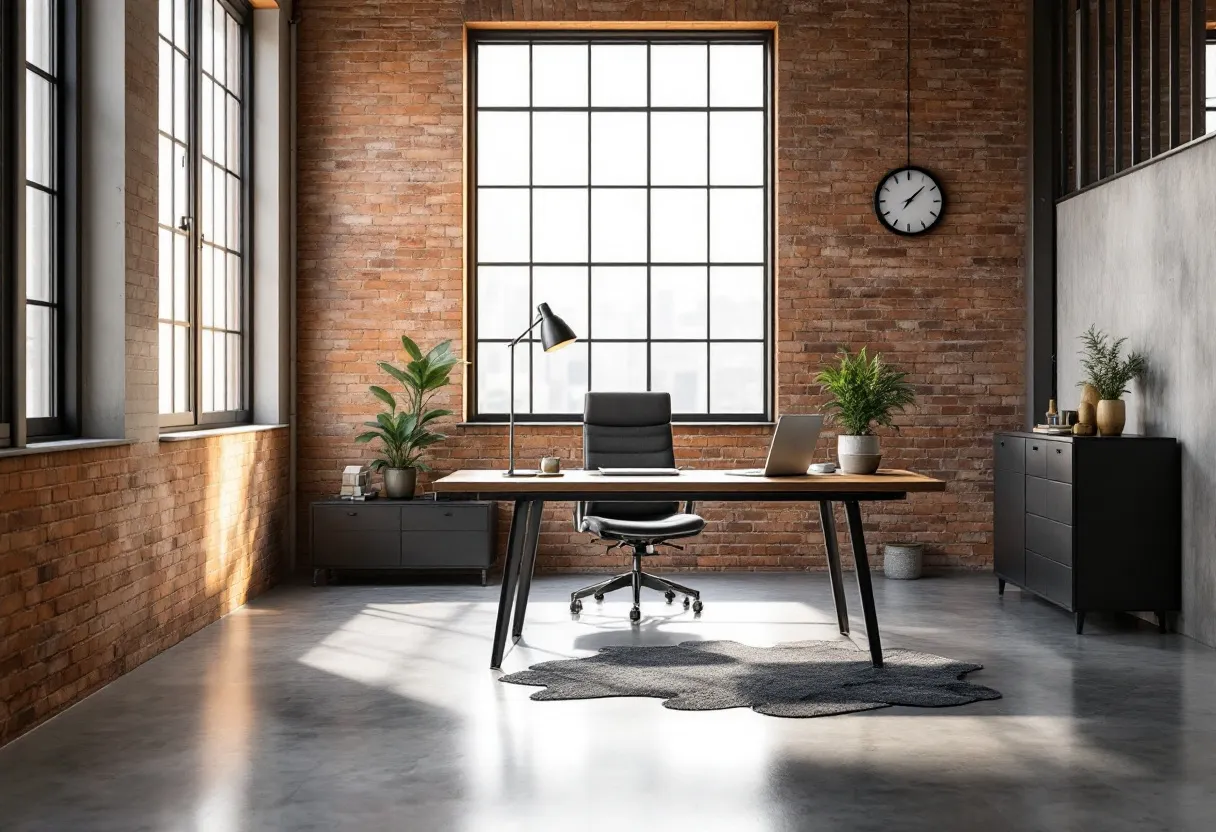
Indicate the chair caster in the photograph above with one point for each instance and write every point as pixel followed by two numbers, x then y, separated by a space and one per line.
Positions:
pixel 697 606
pixel 687 601
pixel 576 607
pixel 635 614
pixel 669 595
pixel 599 599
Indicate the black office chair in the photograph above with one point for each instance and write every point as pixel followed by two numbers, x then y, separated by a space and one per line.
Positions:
pixel 632 430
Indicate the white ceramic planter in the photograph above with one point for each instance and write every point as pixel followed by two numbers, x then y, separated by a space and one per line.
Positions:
pixel 858 454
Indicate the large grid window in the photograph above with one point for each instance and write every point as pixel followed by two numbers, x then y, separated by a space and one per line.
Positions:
pixel 203 227
pixel 625 180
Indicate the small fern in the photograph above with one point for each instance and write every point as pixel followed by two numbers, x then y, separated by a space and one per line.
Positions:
pixel 1104 366
pixel 865 391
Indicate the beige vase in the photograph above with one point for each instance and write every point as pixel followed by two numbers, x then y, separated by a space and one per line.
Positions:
pixel 1087 413
pixel 1112 415
pixel 1089 394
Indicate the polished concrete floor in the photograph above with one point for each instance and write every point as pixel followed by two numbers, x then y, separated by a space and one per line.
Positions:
pixel 372 707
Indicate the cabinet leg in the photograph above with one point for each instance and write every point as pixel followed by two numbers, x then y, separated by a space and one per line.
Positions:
pixel 1000 586
pixel 316 574
pixel 1080 617
pixel 483 577
pixel 1163 623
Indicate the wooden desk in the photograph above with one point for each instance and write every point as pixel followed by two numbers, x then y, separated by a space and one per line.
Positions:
pixel 530 494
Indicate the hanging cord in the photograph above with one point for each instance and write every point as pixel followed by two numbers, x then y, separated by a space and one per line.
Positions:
pixel 908 77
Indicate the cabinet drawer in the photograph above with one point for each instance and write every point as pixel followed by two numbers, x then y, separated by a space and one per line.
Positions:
pixel 1059 461
pixel 357 517
pixel 1048 538
pixel 1050 579
pixel 450 550
pixel 1049 499
pixel 1036 496
pixel 1036 457
pixel 356 550
pixel 440 517
pixel 1010 452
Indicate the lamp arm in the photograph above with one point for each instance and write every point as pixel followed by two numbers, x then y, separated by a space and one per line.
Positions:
pixel 524 334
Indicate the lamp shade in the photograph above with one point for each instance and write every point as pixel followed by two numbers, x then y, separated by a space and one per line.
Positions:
pixel 554 332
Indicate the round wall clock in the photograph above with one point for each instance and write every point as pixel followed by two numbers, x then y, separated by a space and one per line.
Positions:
pixel 909 201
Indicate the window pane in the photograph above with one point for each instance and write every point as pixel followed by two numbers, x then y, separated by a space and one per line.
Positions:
pixel 39 130
pixel 164 202
pixel 678 302
pixel 502 148
pixel 39 362
pixel 234 56
pixel 677 75
pixel 736 378
pixel 736 302
pixel 736 148
pixel 235 293
pixel 559 378
pixel 219 60
pixel 502 76
pixel 618 229
pixel 207 377
pixel 181 32
pixel 617 368
pixel 559 149
pixel 181 278
pixel 206 121
pixel 165 385
pixel 233 212
pixel 181 194
pixel 618 148
pixel 559 226
pixel 164 118
pixel 502 301
pixel 181 369
pixel 493 383
pixel 736 75
pixel 39 251
pixel 677 149
pixel 164 272
pixel 502 225
pixel 206 278
pixel 736 226
pixel 677 226
pixel 220 105
pixel 618 75
pixel 679 369
pixel 165 23
pixel 564 288
pixel 181 97
pixel 233 398
pixel 618 302
pixel 559 75
pixel 39 35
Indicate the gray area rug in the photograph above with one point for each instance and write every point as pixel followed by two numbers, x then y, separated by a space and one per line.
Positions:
pixel 803 679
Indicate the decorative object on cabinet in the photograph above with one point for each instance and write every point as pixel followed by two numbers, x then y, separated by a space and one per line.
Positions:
pixel 1092 525
pixel 1109 373
pixel 418 535
pixel 865 392
pixel 403 434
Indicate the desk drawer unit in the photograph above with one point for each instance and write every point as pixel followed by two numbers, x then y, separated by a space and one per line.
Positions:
pixel 1089 523
pixel 421 534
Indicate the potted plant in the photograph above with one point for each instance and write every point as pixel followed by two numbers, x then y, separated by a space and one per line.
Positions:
pixel 403 433
pixel 1109 373
pixel 865 392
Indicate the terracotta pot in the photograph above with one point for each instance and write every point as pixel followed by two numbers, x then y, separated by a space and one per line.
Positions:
pixel 858 454
pixel 399 483
pixel 1087 413
pixel 1112 415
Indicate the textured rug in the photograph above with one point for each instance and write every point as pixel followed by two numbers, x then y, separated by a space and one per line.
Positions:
pixel 803 679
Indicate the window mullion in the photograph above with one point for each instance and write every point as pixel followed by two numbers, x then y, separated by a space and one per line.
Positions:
pixel 195 239
pixel 17 92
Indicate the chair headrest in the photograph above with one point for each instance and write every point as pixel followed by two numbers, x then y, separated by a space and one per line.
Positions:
pixel 627 409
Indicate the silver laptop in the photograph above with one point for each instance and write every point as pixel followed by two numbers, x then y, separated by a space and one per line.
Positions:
pixel 792 450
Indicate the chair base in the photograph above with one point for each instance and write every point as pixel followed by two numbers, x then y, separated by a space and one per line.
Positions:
pixel 636 579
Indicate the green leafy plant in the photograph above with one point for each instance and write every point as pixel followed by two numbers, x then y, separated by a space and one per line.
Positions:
pixel 865 391
pixel 403 429
pixel 1105 367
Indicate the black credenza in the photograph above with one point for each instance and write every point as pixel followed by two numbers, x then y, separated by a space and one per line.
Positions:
pixel 403 534
pixel 1092 524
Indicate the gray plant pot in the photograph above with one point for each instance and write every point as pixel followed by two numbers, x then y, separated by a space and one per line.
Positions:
pixel 858 454
pixel 903 561
pixel 399 483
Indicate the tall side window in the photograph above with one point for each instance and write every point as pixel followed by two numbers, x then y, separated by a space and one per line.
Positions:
pixel 204 333
pixel 626 180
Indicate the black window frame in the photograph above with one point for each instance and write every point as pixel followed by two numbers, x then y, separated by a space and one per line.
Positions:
pixel 194 417
pixel 763 36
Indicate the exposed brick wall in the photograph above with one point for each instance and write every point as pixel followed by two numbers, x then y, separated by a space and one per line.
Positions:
pixel 380 132
pixel 109 556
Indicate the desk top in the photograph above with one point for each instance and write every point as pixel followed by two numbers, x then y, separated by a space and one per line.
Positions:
pixel 703 482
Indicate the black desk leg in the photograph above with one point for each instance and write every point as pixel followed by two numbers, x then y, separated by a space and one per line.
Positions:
pixel 828 522
pixel 510 573
pixel 853 512
pixel 526 566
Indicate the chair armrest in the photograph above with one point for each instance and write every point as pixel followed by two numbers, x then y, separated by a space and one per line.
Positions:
pixel 578 517
pixel 690 507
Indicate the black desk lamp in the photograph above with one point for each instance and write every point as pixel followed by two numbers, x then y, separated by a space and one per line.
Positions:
pixel 554 334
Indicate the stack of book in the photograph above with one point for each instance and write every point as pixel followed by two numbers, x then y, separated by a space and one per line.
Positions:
pixel 356 483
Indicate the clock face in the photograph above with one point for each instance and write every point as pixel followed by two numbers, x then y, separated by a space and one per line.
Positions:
pixel 909 201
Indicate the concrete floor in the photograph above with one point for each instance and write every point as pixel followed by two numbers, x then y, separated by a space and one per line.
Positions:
pixel 372 707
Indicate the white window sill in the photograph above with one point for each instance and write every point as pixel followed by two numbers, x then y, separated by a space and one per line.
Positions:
pixel 203 433
pixel 63 445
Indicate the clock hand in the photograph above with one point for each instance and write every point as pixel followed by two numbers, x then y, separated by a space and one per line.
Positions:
pixel 908 201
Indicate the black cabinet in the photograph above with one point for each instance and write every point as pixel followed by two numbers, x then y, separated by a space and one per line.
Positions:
pixel 1090 523
pixel 416 534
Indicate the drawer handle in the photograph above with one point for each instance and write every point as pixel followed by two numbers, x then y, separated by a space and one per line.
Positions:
pixel 1034 447
pixel 1059 450
pixel 447 514
pixel 352 514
